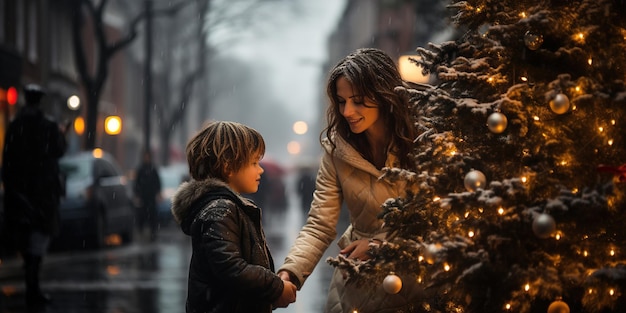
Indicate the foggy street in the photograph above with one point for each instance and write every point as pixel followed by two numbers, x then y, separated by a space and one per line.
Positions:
pixel 150 276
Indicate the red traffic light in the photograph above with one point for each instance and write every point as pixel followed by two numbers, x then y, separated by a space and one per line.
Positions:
pixel 12 96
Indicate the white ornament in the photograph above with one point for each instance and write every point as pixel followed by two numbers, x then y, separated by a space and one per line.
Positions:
pixel 560 104
pixel 544 225
pixel 392 284
pixel 474 180
pixel 497 122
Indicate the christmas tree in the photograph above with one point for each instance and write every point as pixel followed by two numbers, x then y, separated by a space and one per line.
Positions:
pixel 519 198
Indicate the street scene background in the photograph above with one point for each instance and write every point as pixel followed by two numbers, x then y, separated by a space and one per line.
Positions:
pixel 149 276
pixel 168 67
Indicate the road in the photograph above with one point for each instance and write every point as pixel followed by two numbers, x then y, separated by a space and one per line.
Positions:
pixel 149 276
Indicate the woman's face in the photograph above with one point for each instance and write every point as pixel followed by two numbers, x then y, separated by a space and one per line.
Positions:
pixel 360 112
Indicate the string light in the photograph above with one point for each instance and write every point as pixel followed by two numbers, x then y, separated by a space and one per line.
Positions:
pixel 446 267
pixel 590 61
pixel 500 211
pixel 522 14
pixel 527 287
pixel 580 37
pixel 470 234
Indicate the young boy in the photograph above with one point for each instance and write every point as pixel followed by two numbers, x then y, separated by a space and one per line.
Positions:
pixel 231 267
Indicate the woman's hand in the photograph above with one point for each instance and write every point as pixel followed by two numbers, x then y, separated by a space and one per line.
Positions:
pixel 284 275
pixel 357 250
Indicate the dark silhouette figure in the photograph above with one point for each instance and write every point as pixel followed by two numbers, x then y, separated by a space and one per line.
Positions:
pixel 33 187
pixel 306 187
pixel 147 192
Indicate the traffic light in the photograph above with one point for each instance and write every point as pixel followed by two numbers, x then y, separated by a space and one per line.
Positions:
pixel 12 95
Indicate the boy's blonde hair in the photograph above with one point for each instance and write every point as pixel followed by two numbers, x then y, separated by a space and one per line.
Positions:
pixel 222 147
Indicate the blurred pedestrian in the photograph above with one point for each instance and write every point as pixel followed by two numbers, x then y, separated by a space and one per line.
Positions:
pixel 146 195
pixel 33 186
pixel 369 128
pixel 231 267
pixel 306 186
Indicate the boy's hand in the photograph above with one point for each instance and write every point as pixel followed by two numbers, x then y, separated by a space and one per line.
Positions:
pixel 288 296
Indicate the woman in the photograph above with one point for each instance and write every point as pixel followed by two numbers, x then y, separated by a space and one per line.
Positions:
pixel 369 127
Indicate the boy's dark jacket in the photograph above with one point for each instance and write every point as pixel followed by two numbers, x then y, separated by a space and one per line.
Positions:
pixel 231 267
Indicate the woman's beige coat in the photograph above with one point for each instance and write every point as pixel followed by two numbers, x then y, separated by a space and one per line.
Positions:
pixel 344 176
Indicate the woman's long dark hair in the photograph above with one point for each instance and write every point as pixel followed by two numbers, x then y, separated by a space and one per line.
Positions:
pixel 373 75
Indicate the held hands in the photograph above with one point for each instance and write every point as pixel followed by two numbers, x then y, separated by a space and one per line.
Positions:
pixel 288 296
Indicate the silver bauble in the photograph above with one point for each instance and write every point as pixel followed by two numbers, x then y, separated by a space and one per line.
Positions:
pixel 474 180
pixel 544 225
pixel 533 41
pixel 430 252
pixel 497 122
pixel 560 104
pixel 392 284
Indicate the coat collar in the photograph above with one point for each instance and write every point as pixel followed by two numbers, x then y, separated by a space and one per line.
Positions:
pixel 190 191
pixel 345 152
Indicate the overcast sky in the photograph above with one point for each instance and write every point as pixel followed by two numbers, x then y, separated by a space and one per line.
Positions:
pixel 288 48
pixel 294 49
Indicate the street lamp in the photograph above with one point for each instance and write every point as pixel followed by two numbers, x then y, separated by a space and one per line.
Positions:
pixel 113 125
pixel 294 148
pixel 300 127
pixel 79 125
pixel 73 103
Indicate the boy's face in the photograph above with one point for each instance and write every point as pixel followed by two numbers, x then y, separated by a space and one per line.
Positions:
pixel 246 180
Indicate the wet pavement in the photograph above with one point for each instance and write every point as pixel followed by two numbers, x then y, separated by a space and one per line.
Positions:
pixel 149 276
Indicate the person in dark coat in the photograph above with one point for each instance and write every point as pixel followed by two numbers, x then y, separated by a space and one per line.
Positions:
pixel 147 192
pixel 306 187
pixel 33 186
pixel 231 268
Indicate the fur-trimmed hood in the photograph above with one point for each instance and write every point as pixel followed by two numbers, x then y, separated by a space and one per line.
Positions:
pixel 190 192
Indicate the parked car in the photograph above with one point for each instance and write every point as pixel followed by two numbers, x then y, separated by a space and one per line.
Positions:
pixel 171 177
pixel 97 204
